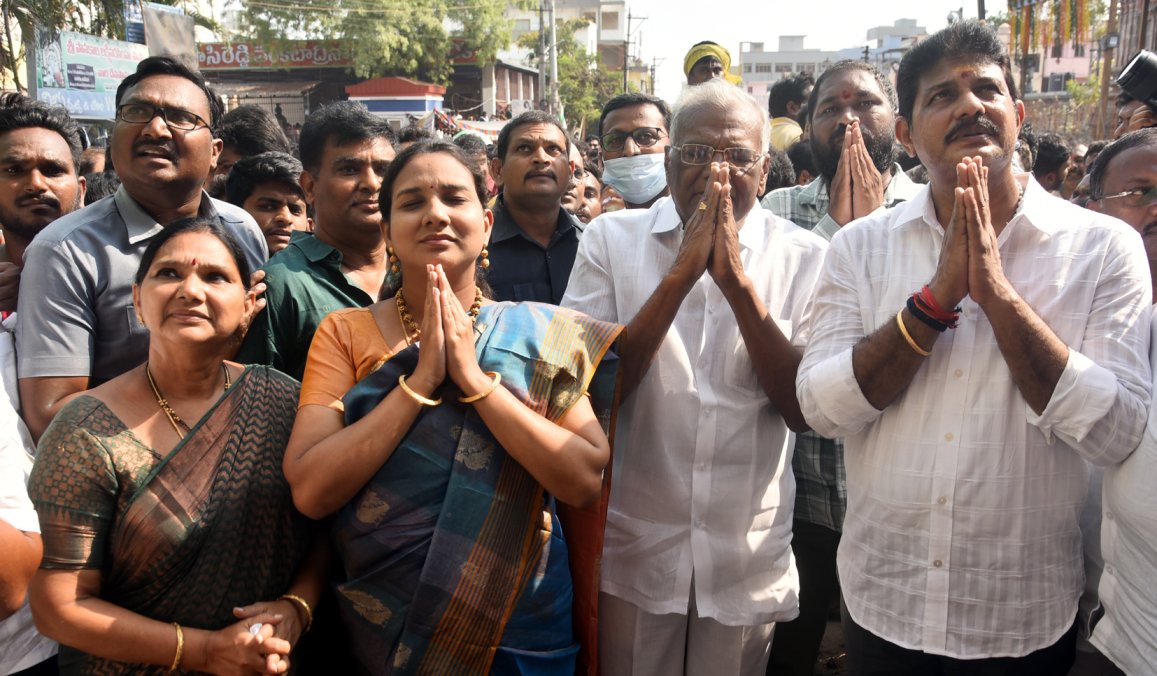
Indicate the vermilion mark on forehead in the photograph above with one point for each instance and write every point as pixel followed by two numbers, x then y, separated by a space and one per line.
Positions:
pixel 194 262
pixel 846 94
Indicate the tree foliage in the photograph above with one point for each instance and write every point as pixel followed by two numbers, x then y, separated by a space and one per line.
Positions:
pixel 102 18
pixel 584 85
pixel 411 38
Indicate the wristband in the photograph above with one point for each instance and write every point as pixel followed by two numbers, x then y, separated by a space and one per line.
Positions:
pixel 908 337
pixel 919 313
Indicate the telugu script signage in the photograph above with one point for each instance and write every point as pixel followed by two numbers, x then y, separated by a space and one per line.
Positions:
pixel 81 72
pixel 250 56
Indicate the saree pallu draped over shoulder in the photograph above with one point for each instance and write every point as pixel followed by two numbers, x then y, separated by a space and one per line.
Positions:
pixel 454 557
pixel 209 527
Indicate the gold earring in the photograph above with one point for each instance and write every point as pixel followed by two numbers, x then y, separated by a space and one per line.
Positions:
pixel 484 257
pixel 392 259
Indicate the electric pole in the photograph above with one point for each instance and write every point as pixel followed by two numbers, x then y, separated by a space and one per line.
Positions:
pixel 555 104
pixel 541 58
pixel 627 46
pixel 626 51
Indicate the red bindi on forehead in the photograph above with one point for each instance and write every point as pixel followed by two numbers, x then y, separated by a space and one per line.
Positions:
pixel 846 94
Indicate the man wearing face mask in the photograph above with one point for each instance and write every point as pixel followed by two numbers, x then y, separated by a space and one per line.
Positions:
pixel 635 135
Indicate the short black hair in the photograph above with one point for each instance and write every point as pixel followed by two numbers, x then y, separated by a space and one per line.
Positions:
pixel 339 123
pixel 851 64
pixel 252 130
pixel 204 224
pixel 20 112
pixel 251 172
pixel 962 41
pixel 529 117
pixel 802 158
pixel 1051 154
pixel 100 185
pixel 780 173
pixel 788 90
pixel 413 133
pixel 636 99
pixel 471 144
pixel 164 65
pixel 1134 139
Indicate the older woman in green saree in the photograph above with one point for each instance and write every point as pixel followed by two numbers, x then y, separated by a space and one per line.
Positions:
pixel 442 431
pixel 170 539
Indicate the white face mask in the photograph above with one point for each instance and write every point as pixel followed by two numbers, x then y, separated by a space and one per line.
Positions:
pixel 639 178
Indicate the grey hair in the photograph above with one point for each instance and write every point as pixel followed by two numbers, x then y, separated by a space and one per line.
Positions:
pixel 722 96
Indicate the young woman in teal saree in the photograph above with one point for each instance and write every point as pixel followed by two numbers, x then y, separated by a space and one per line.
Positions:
pixel 447 446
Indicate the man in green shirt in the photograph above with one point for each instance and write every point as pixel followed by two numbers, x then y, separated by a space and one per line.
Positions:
pixel 344 151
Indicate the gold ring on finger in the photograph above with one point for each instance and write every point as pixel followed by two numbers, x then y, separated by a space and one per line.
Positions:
pixel 702 206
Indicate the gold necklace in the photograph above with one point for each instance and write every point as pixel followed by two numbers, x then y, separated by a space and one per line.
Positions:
pixel 174 419
pixel 410 327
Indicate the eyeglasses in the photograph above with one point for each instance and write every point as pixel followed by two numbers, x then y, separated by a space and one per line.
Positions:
pixel 1137 197
pixel 175 118
pixel 644 137
pixel 699 154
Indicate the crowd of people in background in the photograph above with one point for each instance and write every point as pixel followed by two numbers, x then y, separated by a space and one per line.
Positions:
pixel 660 400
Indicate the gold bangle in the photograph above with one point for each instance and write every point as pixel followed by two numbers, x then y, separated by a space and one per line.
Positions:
pixel 496 380
pixel 423 401
pixel 180 648
pixel 908 337
pixel 296 600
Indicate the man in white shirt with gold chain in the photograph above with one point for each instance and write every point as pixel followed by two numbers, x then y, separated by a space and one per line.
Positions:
pixel 974 346
pixel 697 563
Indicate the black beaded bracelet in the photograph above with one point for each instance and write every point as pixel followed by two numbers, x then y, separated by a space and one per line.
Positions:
pixel 918 313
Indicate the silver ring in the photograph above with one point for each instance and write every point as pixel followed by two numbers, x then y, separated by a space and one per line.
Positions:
pixel 255 629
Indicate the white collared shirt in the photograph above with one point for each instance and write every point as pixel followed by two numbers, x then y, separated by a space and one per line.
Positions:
pixel 701 479
pixel 21 646
pixel 1127 633
pixel 962 534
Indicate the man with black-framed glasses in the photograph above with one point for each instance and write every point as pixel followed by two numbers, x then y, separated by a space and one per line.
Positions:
pixel 697 564
pixel 78 327
pixel 635 131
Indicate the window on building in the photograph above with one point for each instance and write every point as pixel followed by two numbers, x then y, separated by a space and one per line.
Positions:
pixel 763 67
pixel 807 68
pixel 1058 51
pixel 747 68
pixel 783 68
pixel 610 21
pixel 1078 50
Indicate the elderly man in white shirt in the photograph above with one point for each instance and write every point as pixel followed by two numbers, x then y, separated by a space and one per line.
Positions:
pixel 967 428
pixel 697 564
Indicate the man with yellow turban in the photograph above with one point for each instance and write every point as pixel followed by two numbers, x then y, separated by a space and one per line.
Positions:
pixel 707 61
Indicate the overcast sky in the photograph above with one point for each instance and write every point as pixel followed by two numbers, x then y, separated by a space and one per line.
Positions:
pixel 672 26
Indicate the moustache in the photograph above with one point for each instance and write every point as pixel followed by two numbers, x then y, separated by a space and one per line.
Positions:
pixel 169 149
pixel 536 174
pixel 39 200
pixel 968 126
